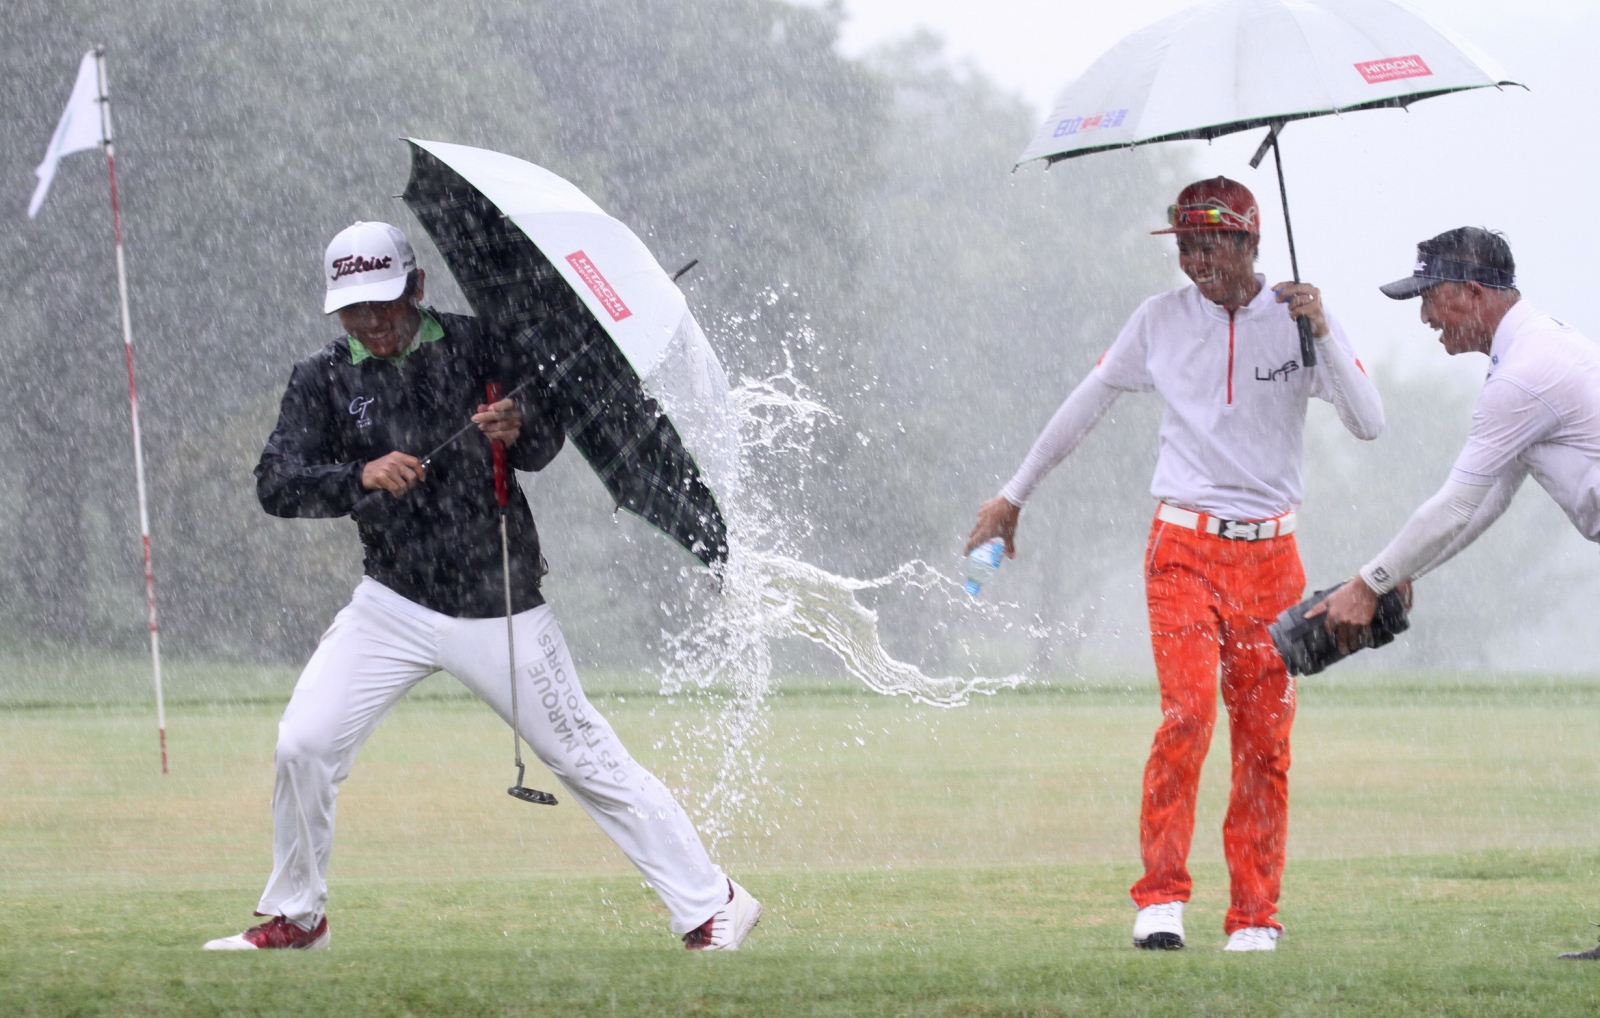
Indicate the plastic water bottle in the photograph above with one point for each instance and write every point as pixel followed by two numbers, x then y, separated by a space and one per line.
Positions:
pixel 983 562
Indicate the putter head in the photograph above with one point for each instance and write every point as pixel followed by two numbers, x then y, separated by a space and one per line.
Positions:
pixel 532 795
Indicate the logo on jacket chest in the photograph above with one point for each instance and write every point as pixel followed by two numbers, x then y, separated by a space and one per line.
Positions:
pixel 1279 374
pixel 358 410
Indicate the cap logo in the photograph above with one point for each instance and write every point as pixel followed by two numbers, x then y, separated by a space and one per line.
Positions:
pixel 1393 69
pixel 349 265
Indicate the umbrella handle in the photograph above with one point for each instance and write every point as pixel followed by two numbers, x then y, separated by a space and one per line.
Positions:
pixel 502 486
pixel 1308 343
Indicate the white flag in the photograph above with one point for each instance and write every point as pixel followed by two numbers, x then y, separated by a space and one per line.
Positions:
pixel 80 128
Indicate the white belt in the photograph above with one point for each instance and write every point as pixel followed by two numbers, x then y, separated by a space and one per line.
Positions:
pixel 1232 530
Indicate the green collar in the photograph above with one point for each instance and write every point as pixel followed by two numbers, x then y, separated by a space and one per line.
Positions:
pixel 429 331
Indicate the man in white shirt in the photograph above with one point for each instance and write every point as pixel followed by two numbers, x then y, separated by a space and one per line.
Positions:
pixel 1224 354
pixel 1538 413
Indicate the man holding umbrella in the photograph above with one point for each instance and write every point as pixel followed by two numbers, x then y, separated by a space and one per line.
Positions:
pixel 1538 413
pixel 353 421
pixel 1224 353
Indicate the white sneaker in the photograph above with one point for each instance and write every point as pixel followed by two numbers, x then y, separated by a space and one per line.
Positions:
pixel 1159 927
pixel 726 930
pixel 1254 938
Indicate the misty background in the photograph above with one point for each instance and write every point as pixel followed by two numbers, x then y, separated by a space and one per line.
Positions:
pixel 854 215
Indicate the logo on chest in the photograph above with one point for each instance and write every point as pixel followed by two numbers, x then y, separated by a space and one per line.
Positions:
pixel 1277 374
pixel 358 410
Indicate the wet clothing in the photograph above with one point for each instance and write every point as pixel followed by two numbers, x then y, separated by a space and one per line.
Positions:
pixel 1211 600
pixel 1235 395
pixel 380 646
pixel 1231 448
pixel 433 600
pixel 438 544
pixel 1538 413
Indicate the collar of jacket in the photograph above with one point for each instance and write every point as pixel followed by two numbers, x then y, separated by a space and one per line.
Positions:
pixel 427 332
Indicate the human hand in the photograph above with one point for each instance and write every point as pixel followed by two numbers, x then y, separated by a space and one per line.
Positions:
pixel 396 473
pixel 1305 301
pixel 996 518
pixel 1348 613
pixel 501 421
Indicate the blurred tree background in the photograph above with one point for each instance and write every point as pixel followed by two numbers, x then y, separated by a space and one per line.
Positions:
pixel 856 217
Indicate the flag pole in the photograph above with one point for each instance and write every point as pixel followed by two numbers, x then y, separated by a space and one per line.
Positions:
pixel 133 399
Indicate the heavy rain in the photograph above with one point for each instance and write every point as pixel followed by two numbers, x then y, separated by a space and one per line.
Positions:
pixel 940 797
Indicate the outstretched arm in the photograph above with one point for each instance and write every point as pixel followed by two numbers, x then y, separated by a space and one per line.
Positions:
pixel 1433 529
pixel 1076 417
pixel 1072 422
pixel 1489 510
pixel 1508 419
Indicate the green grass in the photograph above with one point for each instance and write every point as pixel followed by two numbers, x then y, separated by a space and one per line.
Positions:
pixel 1445 842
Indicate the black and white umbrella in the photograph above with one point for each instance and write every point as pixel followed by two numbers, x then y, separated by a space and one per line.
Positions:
pixel 639 389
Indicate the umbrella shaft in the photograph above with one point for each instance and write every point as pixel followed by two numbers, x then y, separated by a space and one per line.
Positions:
pixel 1283 196
pixel 1308 346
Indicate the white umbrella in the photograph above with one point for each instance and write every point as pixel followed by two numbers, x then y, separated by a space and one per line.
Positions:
pixel 1233 65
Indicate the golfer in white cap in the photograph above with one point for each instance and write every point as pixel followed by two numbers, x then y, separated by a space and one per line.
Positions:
pixel 354 417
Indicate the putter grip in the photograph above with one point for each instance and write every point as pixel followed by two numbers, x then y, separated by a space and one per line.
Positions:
pixel 1308 344
pixel 502 485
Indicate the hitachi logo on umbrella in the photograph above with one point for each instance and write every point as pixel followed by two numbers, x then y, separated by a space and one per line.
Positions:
pixel 349 265
pixel 1393 69
pixel 598 286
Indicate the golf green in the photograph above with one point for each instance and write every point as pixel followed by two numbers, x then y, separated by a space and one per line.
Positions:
pixel 1445 840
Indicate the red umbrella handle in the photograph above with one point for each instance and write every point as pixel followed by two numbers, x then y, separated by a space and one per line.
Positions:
pixel 502 486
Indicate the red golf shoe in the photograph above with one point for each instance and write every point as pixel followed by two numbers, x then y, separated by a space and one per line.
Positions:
pixel 277 932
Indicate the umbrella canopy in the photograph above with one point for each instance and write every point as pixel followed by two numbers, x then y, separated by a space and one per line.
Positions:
pixel 639 389
pixel 1232 65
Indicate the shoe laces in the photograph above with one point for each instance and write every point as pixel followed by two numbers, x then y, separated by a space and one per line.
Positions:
pixel 1166 909
pixel 702 936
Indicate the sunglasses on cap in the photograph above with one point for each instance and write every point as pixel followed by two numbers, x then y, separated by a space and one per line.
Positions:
pixel 1193 215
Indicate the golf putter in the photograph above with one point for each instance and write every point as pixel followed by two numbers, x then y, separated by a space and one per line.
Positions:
pixel 502 495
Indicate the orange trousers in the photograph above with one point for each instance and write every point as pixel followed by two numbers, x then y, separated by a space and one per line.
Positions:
pixel 1211 600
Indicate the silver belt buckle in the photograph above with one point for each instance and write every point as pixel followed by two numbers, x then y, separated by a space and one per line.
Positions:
pixel 1235 530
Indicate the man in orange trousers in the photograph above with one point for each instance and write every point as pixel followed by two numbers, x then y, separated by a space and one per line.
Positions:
pixel 1221 563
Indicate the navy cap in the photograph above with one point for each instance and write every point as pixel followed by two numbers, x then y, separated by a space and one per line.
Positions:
pixel 1432 270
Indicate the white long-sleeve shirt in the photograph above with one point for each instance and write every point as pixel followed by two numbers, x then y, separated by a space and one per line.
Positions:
pixel 1539 414
pixel 1233 429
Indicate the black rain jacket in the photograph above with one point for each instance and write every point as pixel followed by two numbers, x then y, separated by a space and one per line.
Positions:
pixel 439 544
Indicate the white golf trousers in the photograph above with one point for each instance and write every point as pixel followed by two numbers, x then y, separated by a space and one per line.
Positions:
pixel 380 646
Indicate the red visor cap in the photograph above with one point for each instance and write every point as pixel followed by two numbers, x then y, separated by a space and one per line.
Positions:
pixel 1218 205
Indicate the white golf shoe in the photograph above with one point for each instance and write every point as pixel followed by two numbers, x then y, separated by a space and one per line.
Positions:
pixel 1254 938
pixel 1159 927
pixel 726 929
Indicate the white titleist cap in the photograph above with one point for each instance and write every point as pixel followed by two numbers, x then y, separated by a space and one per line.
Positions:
pixel 366 261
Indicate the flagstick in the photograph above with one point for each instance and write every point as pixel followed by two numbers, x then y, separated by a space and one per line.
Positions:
pixel 133 403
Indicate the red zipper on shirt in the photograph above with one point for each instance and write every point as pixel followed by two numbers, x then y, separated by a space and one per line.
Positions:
pixel 1230 358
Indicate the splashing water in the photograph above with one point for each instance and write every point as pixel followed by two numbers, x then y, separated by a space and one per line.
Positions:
pixel 766 596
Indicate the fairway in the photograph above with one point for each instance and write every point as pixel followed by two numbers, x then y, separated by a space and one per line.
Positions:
pixel 1445 839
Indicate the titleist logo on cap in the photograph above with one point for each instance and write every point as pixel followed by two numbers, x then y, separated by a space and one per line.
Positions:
pixel 349 265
